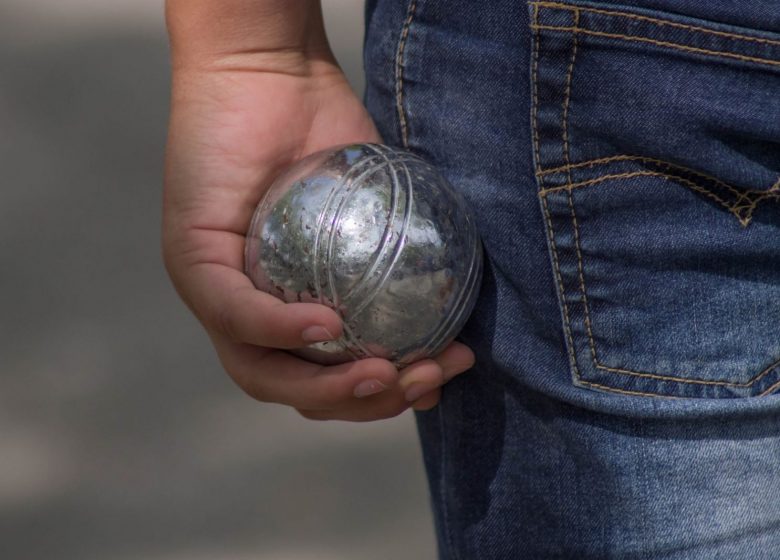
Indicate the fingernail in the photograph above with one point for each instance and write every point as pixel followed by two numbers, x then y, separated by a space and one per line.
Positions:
pixel 417 390
pixel 369 387
pixel 316 334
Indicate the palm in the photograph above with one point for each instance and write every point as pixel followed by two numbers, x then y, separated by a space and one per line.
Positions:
pixel 247 129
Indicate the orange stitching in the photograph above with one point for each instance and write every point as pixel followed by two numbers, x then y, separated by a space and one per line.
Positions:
pixel 748 383
pixel 566 158
pixel 580 270
pixel 567 97
pixel 535 104
pixel 566 319
pixel 717 54
pixel 546 210
pixel 753 196
pixel 569 187
pixel 659 21
pixel 628 175
pixel 682 180
pixel 591 340
pixel 590 331
pixel 750 208
pixel 770 390
pixel 626 157
pixel 399 74
pixel 733 190
pixel 659 377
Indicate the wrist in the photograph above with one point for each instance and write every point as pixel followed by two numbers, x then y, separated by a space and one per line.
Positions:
pixel 273 35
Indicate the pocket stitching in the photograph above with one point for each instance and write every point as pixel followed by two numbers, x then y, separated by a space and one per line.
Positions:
pixel 550 231
pixel 570 186
pixel 660 22
pixel 629 157
pixel 628 175
pixel 581 273
pixel 743 212
pixel 771 388
pixel 591 339
pixel 735 208
pixel 697 50
pixel 399 73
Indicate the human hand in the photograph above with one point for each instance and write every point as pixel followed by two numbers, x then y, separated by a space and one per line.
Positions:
pixel 240 115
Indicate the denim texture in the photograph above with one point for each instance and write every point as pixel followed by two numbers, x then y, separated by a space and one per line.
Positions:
pixel 623 162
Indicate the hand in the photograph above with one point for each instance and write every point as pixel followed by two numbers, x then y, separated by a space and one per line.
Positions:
pixel 237 119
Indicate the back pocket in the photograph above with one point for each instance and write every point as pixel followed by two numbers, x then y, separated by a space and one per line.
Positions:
pixel 657 150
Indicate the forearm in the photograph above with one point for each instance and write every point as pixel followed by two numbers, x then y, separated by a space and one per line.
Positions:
pixel 206 32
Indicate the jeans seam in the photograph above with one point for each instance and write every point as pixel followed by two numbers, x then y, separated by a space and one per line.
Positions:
pixel 545 209
pixel 743 212
pixel 535 100
pixel 664 22
pixel 443 485
pixel 643 159
pixel 399 73
pixel 715 54
pixel 629 175
pixel 770 389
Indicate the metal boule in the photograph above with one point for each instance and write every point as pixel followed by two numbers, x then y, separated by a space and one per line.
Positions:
pixel 377 234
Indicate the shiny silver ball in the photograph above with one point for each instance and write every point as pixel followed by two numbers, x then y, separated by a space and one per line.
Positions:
pixel 377 234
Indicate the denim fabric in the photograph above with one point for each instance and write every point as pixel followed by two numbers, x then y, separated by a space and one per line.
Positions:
pixel 623 162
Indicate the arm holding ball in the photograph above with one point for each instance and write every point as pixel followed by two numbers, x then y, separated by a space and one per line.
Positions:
pixel 255 87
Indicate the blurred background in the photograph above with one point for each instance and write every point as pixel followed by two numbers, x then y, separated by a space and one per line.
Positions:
pixel 120 437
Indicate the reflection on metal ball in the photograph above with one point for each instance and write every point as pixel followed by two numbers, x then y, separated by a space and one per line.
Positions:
pixel 377 234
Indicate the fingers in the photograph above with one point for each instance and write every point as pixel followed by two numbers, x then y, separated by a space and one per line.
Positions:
pixel 427 401
pixel 425 376
pixel 277 376
pixel 228 303
pixel 457 358
pixel 419 387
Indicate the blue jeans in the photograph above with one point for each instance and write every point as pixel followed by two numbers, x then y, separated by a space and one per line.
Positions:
pixel 622 161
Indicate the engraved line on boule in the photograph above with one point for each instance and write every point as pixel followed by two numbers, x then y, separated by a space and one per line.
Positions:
pixel 446 328
pixel 315 253
pixel 399 246
pixel 362 284
pixel 469 285
pixel 353 345
pixel 352 186
pixel 381 251
pixel 357 291
pixel 443 331
pixel 349 336
pixel 336 222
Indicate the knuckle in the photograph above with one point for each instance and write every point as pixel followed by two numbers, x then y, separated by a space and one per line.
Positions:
pixel 426 403
pixel 225 323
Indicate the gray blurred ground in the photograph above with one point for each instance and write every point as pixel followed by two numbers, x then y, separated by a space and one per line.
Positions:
pixel 120 437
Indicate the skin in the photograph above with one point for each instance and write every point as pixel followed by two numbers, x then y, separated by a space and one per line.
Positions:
pixel 255 87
